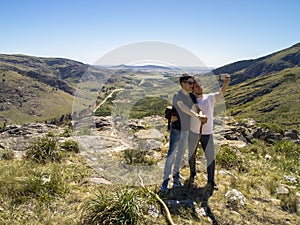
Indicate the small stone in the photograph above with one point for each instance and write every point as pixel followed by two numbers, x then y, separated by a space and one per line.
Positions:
pixel 290 178
pixel 153 211
pixel 281 190
pixel 98 180
pixel 268 157
pixel 224 172
pixel 201 211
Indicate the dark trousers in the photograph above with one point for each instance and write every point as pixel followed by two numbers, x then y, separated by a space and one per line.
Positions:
pixel 207 143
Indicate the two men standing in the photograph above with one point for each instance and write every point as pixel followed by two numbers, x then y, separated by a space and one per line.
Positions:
pixel 189 112
pixel 182 103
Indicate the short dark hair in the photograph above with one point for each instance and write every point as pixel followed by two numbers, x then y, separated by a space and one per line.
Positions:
pixel 184 77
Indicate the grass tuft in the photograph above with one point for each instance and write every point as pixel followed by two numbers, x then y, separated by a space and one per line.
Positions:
pixel 121 207
pixel 43 150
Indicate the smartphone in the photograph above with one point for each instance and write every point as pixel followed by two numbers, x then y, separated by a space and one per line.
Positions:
pixel 222 77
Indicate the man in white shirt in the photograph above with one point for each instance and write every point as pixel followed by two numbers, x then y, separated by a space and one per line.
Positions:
pixel 206 103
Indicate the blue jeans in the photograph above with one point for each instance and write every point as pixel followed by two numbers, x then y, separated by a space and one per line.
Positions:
pixel 176 151
pixel 173 145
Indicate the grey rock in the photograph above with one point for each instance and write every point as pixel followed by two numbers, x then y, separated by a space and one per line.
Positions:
pixel 235 199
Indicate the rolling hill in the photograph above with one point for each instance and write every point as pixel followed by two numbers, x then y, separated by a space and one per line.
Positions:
pixel 35 89
pixel 243 70
pixel 266 89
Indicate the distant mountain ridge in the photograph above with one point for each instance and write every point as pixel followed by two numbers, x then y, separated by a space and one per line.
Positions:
pixel 246 69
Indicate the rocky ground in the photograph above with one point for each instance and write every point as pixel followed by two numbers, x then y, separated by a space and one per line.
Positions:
pixel 102 138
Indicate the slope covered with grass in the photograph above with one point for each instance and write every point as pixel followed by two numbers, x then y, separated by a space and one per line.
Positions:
pixel 269 99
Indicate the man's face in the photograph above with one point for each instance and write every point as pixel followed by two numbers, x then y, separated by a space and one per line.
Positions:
pixel 188 84
pixel 198 88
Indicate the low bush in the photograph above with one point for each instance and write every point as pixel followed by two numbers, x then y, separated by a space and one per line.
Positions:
pixel 31 183
pixel 7 154
pixel 70 146
pixel 43 150
pixel 228 159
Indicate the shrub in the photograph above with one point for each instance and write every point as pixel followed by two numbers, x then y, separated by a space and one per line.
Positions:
pixel 67 132
pixel 287 156
pixel 70 146
pixel 134 156
pixel 7 154
pixel 228 158
pixel 50 134
pixel 123 207
pixel 288 149
pixel 43 150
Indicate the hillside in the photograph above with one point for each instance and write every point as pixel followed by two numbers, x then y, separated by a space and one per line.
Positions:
pixel 247 69
pixel 55 72
pixel 269 99
pixel 38 89
pixel 266 89
pixel 24 100
pixel 96 175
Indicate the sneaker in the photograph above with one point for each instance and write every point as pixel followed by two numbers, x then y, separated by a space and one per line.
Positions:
pixel 179 176
pixel 213 185
pixel 176 182
pixel 164 185
pixel 191 181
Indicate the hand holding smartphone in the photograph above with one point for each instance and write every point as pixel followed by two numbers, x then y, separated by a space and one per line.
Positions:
pixel 224 76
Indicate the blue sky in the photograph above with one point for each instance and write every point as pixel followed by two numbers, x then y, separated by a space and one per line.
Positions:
pixel 218 31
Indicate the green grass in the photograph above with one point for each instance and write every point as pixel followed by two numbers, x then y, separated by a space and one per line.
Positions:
pixel 7 154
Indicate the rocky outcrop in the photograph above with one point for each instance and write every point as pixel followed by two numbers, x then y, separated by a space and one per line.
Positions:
pixel 18 138
pixel 103 141
pixel 150 131
pixel 247 130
